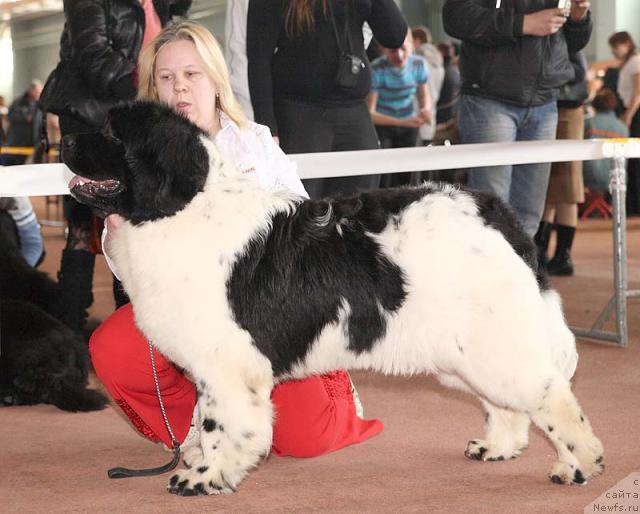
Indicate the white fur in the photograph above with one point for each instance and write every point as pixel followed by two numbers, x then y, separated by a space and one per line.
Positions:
pixel 474 315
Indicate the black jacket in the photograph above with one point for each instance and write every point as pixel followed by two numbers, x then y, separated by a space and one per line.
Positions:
pixel 497 61
pixel 99 49
pixel 25 121
pixel 304 67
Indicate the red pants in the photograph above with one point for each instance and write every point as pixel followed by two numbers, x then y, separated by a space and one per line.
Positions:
pixel 314 416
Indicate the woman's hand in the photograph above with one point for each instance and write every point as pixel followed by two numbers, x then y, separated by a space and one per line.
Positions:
pixel 579 9
pixel 112 223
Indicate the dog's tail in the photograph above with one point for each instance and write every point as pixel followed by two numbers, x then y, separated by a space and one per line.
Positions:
pixel 74 396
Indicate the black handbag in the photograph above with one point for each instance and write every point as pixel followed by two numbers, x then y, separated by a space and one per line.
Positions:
pixel 66 92
pixel 349 65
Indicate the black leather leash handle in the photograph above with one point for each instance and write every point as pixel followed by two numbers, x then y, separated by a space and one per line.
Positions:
pixel 127 473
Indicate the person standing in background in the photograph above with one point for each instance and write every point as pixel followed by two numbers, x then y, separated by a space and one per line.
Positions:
pixel 623 47
pixel 566 186
pixel 309 76
pixel 514 59
pixel 25 122
pixel 422 43
pixel 447 106
pixel 399 82
pixel 235 50
pixel 99 50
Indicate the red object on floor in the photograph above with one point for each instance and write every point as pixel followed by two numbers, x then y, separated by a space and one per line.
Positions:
pixel 314 416
pixel 594 201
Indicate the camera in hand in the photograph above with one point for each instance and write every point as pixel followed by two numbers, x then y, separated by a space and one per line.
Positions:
pixel 349 68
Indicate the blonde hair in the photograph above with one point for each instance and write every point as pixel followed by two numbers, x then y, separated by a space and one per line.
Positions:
pixel 210 52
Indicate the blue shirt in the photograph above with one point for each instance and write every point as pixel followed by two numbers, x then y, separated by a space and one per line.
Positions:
pixel 396 87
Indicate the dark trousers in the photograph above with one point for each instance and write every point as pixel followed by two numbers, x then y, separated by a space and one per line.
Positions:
pixel 396 137
pixel 633 173
pixel 308 128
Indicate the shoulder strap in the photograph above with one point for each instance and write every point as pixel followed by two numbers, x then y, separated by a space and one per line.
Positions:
pixel 335 29
pixel 346 27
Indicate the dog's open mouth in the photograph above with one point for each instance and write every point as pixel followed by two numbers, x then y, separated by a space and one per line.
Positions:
pixel 95 188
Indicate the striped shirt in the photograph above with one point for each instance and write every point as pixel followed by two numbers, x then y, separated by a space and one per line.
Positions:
pixel 396 87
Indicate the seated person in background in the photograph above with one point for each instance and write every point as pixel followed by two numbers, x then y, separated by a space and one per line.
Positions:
pixel 604 124
pixel 398 76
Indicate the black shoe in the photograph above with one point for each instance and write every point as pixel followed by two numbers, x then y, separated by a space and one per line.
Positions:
pixel 560 265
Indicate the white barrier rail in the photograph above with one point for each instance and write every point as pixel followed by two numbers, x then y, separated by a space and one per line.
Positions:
pixel 52 179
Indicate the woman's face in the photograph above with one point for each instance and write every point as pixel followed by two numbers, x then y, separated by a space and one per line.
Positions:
pixel 620 51
pixel 183 83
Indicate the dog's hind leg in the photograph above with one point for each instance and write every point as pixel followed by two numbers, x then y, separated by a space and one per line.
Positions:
pixel 236 428
pixel 506 431
pixel 506 435
pixel 580 452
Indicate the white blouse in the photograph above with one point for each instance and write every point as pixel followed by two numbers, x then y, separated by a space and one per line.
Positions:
pixel 254 152
pixel 626 84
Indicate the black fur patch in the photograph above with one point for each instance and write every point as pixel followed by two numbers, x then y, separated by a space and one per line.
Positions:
pixel 146 147
pixel 199 489
pixel 335 261
pixel 41 359
pixel 209 425
pixel 498 215
pixel 302 257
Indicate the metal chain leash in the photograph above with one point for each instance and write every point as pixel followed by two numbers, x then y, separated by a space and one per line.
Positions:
pixel 174 441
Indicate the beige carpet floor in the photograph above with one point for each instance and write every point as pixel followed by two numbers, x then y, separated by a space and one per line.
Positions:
pixel 56 462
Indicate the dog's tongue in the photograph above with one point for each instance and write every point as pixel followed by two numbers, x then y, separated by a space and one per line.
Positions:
pixel 78 180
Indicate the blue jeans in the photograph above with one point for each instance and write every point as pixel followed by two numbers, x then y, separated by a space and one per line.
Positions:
pixel 31 245
pixel 524 187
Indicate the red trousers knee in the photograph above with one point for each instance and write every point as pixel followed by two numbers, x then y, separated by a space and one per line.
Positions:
pixel 314 416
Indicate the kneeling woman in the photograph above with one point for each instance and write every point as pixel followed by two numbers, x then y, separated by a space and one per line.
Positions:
pixel 184 67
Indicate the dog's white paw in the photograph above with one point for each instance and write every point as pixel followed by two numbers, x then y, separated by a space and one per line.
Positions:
pixel 564 473
pixel 479 449
pixel 202 479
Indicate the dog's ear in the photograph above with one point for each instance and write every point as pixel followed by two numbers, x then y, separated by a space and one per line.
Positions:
pixel 182 169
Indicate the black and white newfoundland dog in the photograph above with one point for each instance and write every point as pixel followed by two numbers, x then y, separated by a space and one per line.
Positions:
pixel 245 287
pixel 41 359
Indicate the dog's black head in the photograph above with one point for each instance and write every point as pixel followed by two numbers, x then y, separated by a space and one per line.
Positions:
pixel 149 162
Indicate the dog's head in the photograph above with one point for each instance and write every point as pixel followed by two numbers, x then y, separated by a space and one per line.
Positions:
pixel 148 163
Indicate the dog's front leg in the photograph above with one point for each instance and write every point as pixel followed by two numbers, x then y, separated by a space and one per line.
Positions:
pixel 236 427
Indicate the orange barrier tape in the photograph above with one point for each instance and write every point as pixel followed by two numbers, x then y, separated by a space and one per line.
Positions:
pixel 23 150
